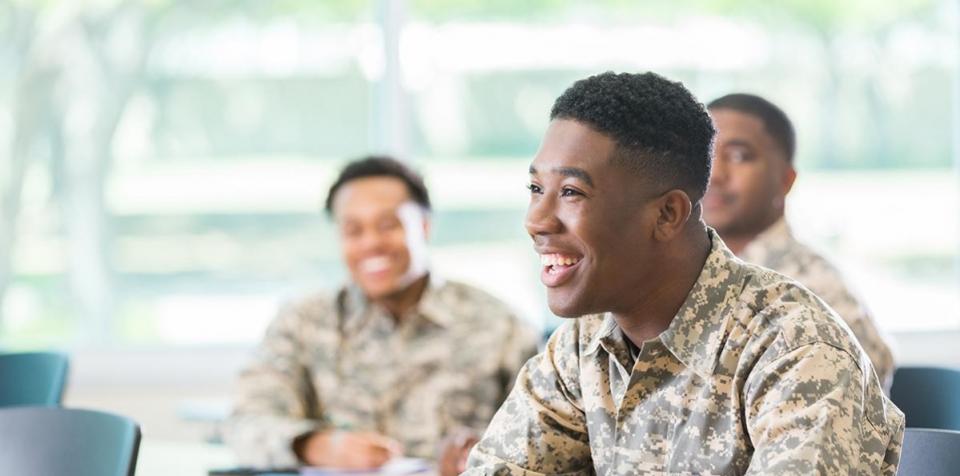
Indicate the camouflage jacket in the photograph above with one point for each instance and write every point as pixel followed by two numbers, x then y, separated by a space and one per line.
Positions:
pixel 341 362
pixel 777 249
pixel 754 375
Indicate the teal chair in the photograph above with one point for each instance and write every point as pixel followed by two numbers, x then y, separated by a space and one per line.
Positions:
pixel 928 396
pixel 930 453
pixel 41 441
pixel 32 378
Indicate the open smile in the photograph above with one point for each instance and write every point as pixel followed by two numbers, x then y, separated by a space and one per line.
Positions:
pixel 376 266
pixel 558 268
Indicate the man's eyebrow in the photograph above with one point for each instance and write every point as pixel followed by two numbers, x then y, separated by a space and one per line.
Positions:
pixel 575 173
pixel 568 172
pixel 738 142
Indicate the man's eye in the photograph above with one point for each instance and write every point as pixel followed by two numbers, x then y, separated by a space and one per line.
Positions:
pixel 569 192
pixel 385 225
pixel 738 156
pixel 534 188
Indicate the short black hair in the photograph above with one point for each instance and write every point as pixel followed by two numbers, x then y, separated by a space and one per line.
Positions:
pixel 775 121
pixel 380 166
pixel 660 129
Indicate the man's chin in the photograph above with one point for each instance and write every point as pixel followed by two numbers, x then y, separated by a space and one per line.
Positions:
pixel 565 307
pixel 378 292
pixel 721 225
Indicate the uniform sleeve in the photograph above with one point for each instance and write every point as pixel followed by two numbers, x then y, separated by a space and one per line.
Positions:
pixel 812 411
pixel 891 459
pixel 275 399
pixel 541 428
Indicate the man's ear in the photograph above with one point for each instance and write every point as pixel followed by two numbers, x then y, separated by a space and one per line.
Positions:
pixel 674 209
pixel 789 176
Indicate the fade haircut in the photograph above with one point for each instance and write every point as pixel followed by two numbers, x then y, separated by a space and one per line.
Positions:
pixel 774 120
pixel 380 166
pixel 661 131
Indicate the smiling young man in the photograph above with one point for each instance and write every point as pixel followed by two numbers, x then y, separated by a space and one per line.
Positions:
pixel 397 362
pixel 751 176
pixel 682 359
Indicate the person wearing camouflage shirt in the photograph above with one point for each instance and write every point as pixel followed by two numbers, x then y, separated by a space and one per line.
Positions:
pixel 751 175
pixel 397 362
pixel 682 359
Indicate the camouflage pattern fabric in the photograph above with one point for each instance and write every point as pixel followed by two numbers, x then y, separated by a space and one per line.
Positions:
pixel 341 362
pixel 777 249
pixel 755 375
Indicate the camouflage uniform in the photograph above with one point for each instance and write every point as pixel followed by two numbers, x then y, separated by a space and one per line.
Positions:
pixel 777 249
pixel 754 375
pixel 344 363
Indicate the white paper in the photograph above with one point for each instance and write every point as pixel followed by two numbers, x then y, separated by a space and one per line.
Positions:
pixel 394 467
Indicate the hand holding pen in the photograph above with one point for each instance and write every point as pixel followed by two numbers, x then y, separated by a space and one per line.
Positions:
pixel 347 449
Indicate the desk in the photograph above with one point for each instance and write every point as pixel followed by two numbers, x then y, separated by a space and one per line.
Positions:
pixel 184 458
pixel 402 468
pixel 315 472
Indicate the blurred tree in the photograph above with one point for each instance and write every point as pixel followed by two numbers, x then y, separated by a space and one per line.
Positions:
pixel 78 66
pixel 31 78
pixel 73 67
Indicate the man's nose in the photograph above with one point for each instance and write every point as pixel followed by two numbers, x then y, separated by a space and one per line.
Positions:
pixel 372 239
pixel 541 217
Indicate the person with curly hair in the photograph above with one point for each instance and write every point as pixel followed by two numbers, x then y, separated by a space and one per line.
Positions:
pixel 678 358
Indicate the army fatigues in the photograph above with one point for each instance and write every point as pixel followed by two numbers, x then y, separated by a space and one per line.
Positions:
pixel 344 363
pixel 777 249
pixel 754 375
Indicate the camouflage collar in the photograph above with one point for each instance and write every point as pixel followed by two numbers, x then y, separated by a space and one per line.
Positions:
pixel 698 331
pixel 777 235
pixel 431 304
pixel 607 335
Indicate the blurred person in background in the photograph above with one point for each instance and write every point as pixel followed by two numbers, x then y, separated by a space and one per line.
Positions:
pixel 399 361
pixel 751 176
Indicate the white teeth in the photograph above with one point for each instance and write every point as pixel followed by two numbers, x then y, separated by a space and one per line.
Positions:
pixel 555 259
pixel 375 264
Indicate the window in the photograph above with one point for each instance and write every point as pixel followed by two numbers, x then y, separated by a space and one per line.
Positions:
pixel 169 192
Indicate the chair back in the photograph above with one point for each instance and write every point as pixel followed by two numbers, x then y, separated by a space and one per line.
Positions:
pixel 929 452
pixel 928 396
pixel 32 378
pixel 52 441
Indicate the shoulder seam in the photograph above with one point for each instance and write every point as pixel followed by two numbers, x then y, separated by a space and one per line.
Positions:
pixel 856 362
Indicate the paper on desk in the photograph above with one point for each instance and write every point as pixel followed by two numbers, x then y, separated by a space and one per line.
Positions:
pixel 394 467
